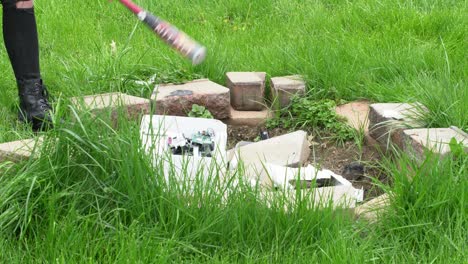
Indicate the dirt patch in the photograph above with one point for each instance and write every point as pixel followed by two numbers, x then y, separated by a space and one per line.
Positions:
pixel 328 155
pixel 335 157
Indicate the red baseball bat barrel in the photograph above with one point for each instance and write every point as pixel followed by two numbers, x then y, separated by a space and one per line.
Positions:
pixel 131 6
pixel 169 34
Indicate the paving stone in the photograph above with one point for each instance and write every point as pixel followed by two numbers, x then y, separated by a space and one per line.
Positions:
pixel 285 87
pixel 372 208
pixel 287 150
pixel 262 76
pixel 18 150
pixel 459 131
pixel 247 90
pixel 388 119
pixel 247 118
pixel 418 141
pixel 177 100
pixel 356 114
pixel 370 141
pixel 243 143
pixel 114 102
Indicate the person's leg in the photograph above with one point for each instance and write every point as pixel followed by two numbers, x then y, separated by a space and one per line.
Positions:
pixel 21 41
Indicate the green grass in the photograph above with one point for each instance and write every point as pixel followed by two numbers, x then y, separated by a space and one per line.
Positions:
pixel 380 50
pixel 91 196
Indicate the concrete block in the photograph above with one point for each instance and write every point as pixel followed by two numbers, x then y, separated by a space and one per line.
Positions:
pixel 417 141
pixel 99 104
pixel 283 88
pixel 248 118
pixel 177 100
pixel 387 119
pixel 247 90
pixel 287 150
pixel 19 150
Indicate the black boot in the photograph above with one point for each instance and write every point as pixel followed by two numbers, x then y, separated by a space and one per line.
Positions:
pixel 35 108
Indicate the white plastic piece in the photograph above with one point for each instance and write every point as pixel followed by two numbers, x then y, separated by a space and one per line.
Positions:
pixel 359 193
pixel 155 131
pixel 281 177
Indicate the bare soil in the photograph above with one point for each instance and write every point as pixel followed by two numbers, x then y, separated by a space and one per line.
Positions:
pixel 329 155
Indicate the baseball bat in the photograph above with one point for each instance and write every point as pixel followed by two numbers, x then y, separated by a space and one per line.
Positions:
pixel 169 34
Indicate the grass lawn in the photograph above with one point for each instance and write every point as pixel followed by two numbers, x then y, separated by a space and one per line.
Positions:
pixel 92 197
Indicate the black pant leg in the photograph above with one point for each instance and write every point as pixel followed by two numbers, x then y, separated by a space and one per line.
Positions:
pixel 21 40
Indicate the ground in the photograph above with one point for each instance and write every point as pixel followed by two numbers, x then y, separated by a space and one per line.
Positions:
pixel 92 197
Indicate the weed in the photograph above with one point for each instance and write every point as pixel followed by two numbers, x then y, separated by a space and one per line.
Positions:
pixel 200 111
pixel 304 112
